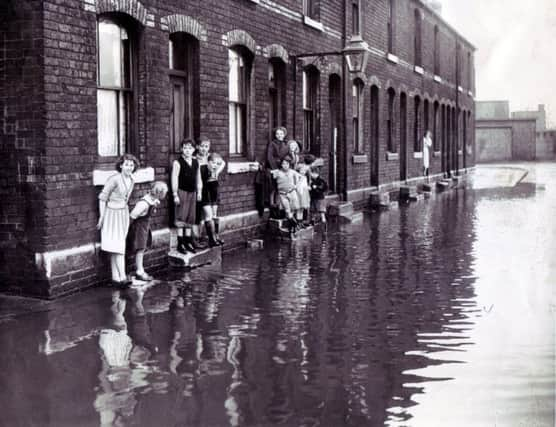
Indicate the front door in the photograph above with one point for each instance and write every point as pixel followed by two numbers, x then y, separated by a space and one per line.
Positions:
pixel 374 136
pixel 334 100
pixel 403 137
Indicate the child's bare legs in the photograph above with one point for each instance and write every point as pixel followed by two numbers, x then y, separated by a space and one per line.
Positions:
pixel 114 268
pixel 216 222
pixel 139 268
pixel 117 264
pixel 209 225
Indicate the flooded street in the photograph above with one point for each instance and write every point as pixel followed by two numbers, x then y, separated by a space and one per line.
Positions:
pixel 437 313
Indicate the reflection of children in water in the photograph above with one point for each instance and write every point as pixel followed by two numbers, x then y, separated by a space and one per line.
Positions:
pixel 237 403
pixel 115 400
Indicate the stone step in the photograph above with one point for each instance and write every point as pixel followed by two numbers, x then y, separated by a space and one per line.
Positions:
pixel 427 188
pixel 408 192
pixel 193 260
pixel 279 228
pixel 357 217
pixel 442 185
pixel 340 209
pixel 379 200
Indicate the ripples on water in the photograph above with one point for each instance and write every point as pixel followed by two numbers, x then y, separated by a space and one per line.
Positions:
pixel 436 313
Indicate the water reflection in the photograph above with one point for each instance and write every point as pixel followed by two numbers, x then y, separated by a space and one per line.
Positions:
pixel 386 322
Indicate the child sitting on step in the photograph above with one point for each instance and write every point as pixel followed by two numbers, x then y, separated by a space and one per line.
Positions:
pixel 286 183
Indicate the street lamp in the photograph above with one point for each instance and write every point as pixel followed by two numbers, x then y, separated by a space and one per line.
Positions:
pixel 356 55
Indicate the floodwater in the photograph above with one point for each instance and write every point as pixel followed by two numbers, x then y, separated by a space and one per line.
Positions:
pixel 438 313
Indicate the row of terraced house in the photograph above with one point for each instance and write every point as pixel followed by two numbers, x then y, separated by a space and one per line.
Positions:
pixel 83 81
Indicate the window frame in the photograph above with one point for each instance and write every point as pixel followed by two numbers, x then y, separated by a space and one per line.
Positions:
pixel 311 9
pixel 310 101
pixel 357 114
pixel 390 124
pixel 125 92
pixel 436 51
pixel 418 45
pixel 416 124
pixel 239 109
pixel 390 23
pixel 356 17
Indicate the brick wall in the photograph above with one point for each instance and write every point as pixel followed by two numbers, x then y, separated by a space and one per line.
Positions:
pixel 63 124
pixel 22 186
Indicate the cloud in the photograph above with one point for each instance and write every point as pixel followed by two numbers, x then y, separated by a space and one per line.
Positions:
pixel 515 43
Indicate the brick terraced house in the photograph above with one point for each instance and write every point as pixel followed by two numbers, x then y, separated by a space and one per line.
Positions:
pixel 82 81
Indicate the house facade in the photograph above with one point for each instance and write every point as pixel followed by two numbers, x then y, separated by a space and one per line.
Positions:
pixel 83 81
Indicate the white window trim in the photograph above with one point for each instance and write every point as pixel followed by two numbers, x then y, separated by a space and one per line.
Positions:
pixel 140 176
pixel 310 22
pixel 392 58
pixel 242 167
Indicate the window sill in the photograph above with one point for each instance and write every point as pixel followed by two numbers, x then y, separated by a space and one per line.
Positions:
pixel 359 158
pixel 460 89
pixel 255 1
pixel 419 70
pixel 140 176
pixel 470 94
pixel 242 167
pixel 310 22
pixel 437 78
pixel 460 152
pixel 417 154
pixel 392 156
pixel 436 153
pixel 392 58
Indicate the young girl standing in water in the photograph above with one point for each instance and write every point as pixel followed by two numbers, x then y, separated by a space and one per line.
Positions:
pixel 140 232
pixel 114 216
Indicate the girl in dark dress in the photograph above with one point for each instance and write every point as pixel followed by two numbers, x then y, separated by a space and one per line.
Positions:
pixel 140 237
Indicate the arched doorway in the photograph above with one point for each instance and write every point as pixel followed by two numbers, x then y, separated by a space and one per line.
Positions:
pixel 403 137
pixel 334 102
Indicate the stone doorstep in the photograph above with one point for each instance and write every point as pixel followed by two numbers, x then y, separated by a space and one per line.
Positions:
pixel 379 199
pixel 442 185
pixel 427 188
pixel 340 209
pixel 277 228
pixel 193 260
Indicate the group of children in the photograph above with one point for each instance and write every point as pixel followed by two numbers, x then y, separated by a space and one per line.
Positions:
pixel 299 190
pixel 194 180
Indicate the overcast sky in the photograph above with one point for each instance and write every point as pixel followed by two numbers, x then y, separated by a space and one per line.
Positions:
pixel 516 49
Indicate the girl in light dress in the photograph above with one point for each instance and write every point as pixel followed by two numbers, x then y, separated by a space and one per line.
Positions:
pixel 287 180
pixel 302 186
pixel 114 216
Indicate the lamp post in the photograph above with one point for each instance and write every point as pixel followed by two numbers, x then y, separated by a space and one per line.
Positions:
pixel 356 55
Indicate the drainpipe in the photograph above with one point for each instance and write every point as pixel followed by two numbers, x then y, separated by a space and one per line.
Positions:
pixel 343 105
pixel 456 150
pixel 294 77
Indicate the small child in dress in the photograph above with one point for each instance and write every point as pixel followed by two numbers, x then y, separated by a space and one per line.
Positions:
pixel 318 190
pixel 286 183
pixel 210 173
pixel 140 237
pixel 209 200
